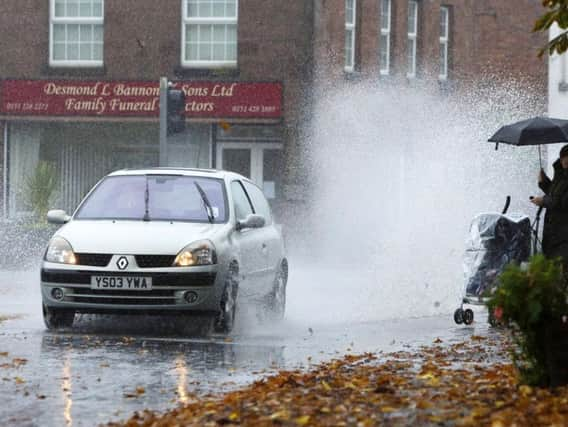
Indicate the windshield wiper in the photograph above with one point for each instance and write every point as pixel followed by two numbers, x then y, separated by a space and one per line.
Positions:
pixel 206 203
pixel 146 202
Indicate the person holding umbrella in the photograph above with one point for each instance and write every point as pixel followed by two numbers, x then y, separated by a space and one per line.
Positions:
pixel 541 131
pixel 555 201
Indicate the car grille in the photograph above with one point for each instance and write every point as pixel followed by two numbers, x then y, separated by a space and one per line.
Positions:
pixel 122 299
pixel 94 260
pixel 95 296
pixel 94 292
pixel 158 279
pixel 154 261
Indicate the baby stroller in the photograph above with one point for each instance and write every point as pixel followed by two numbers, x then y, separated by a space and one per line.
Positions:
pixel 494 241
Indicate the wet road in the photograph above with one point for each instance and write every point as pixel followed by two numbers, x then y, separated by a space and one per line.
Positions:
pixel 109 367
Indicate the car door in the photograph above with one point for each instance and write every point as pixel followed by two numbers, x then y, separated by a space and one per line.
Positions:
pixel 272 247
pixel 249 244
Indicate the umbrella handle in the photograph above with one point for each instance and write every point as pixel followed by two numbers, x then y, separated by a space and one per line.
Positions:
pixel 506 207
pixel 496 146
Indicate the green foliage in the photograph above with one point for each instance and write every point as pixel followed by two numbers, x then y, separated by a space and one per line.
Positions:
pixel 40 187
pixel 526 299
pixel 557 13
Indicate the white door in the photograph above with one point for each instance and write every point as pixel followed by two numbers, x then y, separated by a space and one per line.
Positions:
pixel 259 161
pixel 250 245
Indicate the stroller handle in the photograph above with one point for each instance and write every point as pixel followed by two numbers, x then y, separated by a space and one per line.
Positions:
pixel 506 207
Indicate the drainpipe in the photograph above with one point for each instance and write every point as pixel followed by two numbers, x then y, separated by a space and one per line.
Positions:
pixel 5 172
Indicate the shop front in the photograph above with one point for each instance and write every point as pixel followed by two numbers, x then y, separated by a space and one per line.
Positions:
pixel 86 129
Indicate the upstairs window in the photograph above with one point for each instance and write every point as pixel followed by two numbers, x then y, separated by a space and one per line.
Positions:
pixel 444 41
pixel 209 33
pixel 384 42
pixel 76 33
pixel 411 40
pixel 350 11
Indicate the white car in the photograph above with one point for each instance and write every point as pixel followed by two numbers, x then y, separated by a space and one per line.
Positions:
pixel 165 241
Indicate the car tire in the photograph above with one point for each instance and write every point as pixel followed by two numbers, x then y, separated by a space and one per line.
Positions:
pixel 276 304
pixel 57 318
pixel 228 306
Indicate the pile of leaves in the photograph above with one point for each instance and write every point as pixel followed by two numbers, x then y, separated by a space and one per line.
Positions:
pixel 469 383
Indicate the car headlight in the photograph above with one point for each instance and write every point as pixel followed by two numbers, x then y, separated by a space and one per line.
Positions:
pixel 59 250
pixel 197 253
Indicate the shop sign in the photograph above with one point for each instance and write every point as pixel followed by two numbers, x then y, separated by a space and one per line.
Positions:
pixel 138 99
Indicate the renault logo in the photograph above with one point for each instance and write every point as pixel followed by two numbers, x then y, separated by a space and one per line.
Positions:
pixel 122 263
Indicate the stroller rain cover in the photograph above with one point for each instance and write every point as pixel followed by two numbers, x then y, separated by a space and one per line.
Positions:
pixel 494 241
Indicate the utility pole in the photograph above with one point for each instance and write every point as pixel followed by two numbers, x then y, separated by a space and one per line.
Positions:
pixel 163 161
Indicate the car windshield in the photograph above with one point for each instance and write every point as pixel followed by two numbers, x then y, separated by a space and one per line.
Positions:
pixel 156 197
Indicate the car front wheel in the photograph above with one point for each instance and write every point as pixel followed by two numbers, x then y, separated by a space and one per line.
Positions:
pixel 57 318
pixel 228 307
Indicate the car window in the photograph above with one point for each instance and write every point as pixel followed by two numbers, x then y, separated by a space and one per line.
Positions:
pixel 169 198
pixel 241 201
pixel 259 202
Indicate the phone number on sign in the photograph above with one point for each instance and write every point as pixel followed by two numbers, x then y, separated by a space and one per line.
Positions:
pixel 254 109
pixel 26 106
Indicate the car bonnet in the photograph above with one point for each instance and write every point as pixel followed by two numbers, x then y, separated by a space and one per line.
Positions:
pixel 134 237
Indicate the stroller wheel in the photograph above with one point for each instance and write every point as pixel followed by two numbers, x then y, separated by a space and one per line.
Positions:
pixel 468 316
pixel 458 316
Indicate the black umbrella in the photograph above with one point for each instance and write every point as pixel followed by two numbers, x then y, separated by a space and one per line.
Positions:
pixel 535 131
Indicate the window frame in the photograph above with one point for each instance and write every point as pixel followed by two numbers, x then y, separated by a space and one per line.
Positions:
pixel 53 20
pixel 200 64
pixel 234 205
pixel 351 27
pixel 412 40
pixel 246 184
pixel 444 43
pixel 384 69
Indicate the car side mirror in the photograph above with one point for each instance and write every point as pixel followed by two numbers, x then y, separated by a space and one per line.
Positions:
pixel 57 216
pixel 251 221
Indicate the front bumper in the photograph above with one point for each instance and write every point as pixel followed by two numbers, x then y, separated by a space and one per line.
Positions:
pixel 169 286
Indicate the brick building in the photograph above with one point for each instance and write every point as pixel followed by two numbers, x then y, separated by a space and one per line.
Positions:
pixel 79 78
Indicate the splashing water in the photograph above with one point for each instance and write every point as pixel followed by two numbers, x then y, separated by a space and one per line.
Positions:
pixel 398 172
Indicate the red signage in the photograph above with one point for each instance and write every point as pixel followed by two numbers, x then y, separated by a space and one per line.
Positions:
pixel 138 99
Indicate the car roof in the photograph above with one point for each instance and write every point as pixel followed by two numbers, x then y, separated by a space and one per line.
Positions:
pixel 205 173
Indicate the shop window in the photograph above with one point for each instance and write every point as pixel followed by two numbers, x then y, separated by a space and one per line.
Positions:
pixel 82 154
pixel 384 42
pixel 237 160
pixel 444 41
pixel 273 166
pixel 76 33
pixel 23 157
pixel 192 148
pixel 263 163
pixel 209 33
pixel 350 31
pixel 411 44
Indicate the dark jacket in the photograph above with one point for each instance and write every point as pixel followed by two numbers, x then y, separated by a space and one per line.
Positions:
pixel 555 231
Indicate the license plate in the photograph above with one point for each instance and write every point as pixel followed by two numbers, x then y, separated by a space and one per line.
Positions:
pixel 125 283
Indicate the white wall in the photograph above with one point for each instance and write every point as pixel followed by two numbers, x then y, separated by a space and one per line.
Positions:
pixel 557 98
